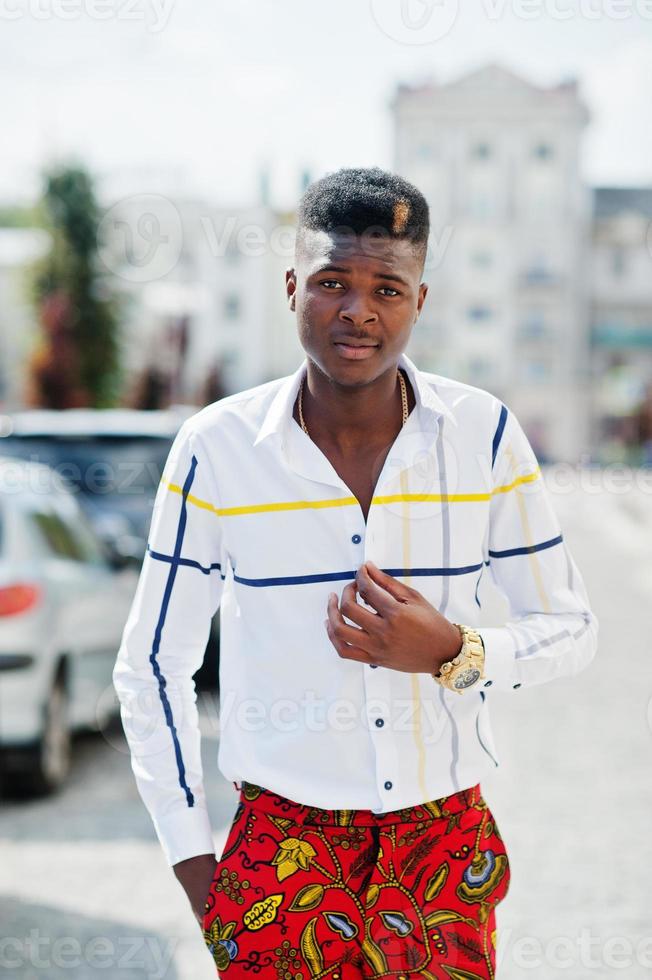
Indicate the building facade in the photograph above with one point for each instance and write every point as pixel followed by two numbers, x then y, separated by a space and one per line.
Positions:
pixel 203 293
pixel 621 310
pixel 497 159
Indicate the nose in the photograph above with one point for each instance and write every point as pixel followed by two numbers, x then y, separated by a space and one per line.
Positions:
pixel 355 310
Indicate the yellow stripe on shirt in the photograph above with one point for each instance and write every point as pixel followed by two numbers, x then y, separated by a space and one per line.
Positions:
pixel 414 498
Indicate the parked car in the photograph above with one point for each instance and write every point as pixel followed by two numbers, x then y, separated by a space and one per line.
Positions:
pixel 114 459
pixel 63 603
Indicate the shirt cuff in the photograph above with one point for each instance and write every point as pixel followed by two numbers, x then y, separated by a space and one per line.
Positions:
pixel 185 834
pixel 499 658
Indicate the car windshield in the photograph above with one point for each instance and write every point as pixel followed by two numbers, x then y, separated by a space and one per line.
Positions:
pixel 97 464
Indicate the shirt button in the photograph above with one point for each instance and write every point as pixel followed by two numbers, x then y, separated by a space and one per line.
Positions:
pixel 379 722
pixel 388 784
pixel 356 539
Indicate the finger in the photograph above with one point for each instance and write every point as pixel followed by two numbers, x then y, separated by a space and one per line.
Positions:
pixel 351 608
pixel 345 650
pixel 401 592
pixel 345 638
pixel 375 595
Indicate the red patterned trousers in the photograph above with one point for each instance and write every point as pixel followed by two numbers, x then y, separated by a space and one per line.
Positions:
pixel 301 893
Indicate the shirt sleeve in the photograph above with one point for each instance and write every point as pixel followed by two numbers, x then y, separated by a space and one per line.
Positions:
pixel 163 645
pixel 551 631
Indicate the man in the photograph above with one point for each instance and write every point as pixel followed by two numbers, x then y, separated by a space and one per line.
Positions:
pixel 343 516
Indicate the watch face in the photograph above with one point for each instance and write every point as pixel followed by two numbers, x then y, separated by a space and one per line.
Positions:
pixel 466 678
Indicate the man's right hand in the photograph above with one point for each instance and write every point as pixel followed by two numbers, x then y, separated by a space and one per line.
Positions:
pixel 196 875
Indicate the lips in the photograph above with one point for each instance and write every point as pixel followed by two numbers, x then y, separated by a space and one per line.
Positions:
pixel 354 350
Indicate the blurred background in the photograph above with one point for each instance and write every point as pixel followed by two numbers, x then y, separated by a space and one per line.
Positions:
pixel 154 153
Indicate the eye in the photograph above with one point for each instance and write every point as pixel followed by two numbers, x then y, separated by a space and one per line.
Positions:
pixel 330 282
pixel 394 292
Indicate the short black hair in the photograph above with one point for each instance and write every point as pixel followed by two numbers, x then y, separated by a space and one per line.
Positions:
pixel 366 201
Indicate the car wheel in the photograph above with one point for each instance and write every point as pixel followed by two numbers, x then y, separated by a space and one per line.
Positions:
pixel 45 767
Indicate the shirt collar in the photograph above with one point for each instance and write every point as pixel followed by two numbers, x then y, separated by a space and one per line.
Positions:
pixel 428 403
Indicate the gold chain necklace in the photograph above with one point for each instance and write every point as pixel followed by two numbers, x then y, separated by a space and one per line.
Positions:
pixel 404 402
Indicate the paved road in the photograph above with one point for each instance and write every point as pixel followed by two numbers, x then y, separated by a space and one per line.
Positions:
pixel 83 879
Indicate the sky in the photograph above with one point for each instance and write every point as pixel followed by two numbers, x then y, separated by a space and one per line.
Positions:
pixel 196 96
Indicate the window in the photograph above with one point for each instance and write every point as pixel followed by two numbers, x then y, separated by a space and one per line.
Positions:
pixel 479 370
pixel 186 261
pixel 74 519
pixel 537 369
pixel 231 358
pixel 618 263
pixel 232 306
pixel 57 535
pixel 480 151
pixel 481 204
pixel 479 313
pixel 534 325
pixel 67 538
pixel 538 272
pixel 232 252
pixel 543 152
pixel 481 259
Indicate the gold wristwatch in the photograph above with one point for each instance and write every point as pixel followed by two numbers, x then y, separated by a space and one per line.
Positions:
pixel 467 668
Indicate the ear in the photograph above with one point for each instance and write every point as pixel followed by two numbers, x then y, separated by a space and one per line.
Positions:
pixel 423 292
pixel 291 287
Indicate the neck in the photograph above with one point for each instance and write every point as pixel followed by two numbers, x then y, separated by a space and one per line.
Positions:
pixel 353 420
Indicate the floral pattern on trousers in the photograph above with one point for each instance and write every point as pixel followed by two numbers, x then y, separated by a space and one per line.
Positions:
pixel 301 893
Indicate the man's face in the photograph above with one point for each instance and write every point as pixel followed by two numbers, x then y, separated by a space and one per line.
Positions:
pixel 356 299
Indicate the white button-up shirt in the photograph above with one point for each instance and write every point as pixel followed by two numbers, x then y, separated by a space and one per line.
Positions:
pixel 251 516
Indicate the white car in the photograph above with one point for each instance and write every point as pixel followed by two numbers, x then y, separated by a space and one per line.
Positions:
pixel 64 600
pixel 113 458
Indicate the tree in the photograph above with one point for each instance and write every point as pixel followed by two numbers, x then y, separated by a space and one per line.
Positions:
pixel 76 362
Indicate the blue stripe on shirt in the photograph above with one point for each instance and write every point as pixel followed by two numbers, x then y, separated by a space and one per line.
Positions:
pixel 350 575
pixel 528 550
pixel 206 569
pixel 498 433
pixel 175 561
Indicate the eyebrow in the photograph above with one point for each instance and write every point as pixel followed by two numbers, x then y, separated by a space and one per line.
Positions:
pixel 391 276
